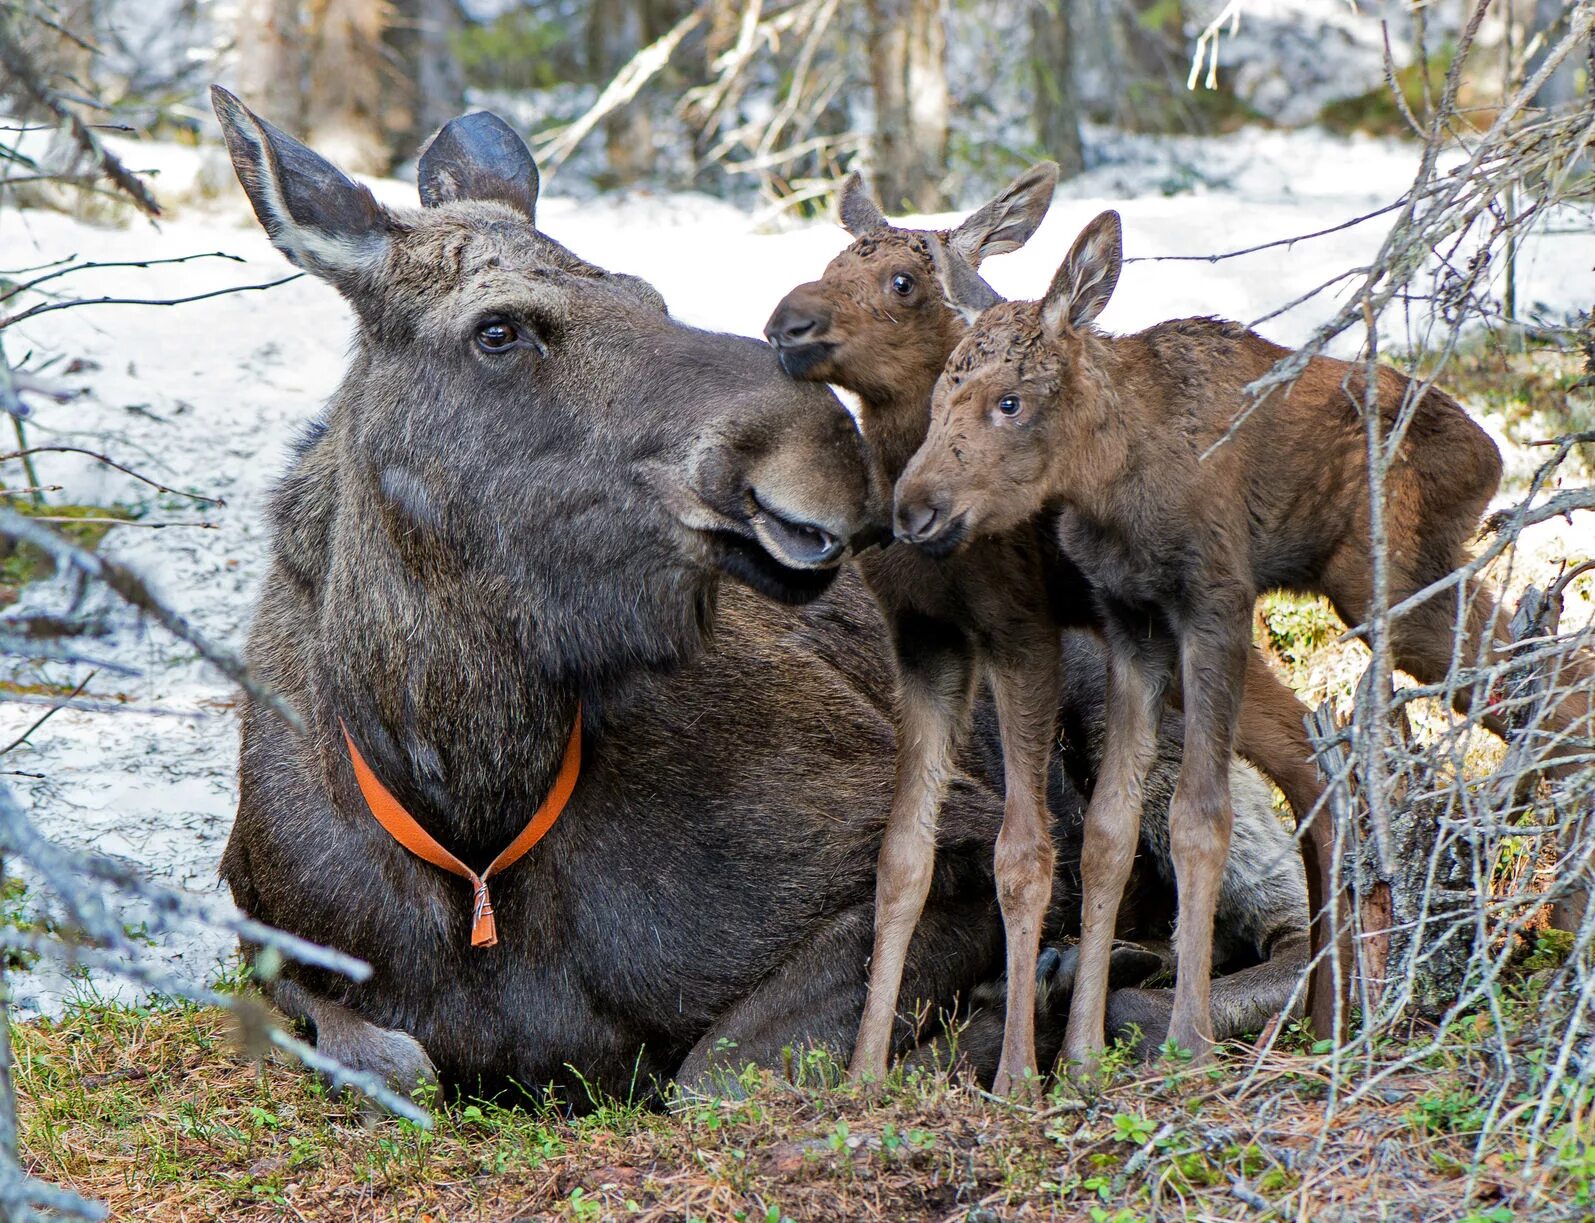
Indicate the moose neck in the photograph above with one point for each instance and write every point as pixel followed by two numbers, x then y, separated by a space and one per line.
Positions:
pixel 458 656
pixel 895 421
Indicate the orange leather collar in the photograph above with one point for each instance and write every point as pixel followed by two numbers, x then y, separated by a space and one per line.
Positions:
pixel 401 826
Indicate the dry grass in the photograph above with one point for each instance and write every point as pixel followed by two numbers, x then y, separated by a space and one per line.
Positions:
pixel 157 1113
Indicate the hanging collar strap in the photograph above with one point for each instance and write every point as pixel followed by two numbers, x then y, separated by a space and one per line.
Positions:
pixel 401 826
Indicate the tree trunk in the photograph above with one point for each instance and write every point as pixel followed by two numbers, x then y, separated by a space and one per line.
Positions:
pixel 1057 106
pixel 348 73
pixel 270 36
pixel 430 89
pixel 908 73
pixel 1152 94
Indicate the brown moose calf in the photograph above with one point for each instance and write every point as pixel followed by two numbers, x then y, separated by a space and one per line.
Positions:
pixel 1037 410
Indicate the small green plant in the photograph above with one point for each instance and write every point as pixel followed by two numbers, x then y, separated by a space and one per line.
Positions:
pixel 1133 1129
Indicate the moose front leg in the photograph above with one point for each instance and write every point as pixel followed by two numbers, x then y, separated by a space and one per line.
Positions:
pixel 1027 712
pixel 935 691
pixel 1136 681
pixel 1213 668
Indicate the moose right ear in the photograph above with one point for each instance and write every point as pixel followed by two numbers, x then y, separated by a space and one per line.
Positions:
pixel 478 157
pixel 1087 277
pixel 860 214
pixel 961 285
pixel 1007 222
pixel 322 220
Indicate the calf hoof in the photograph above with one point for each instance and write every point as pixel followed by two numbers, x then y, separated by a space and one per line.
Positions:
pixel 393 1056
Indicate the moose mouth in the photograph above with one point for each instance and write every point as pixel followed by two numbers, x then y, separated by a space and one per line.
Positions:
pixel 780 556
pixel 801 360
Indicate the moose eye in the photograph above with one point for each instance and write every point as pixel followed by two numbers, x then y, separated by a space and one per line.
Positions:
pixel 496 336
pixel 902 284
pixel 1008 405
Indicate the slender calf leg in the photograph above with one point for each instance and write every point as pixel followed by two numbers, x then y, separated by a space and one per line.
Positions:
pixel 934 697
pixel 1272 734
pixel 1137 681
pixel 1027 712
pixel 1213 665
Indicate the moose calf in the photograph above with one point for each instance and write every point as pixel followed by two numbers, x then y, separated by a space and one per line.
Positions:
pixel 878 324
pixel 1036 409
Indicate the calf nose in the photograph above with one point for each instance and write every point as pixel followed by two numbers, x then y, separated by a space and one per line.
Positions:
pixel 792 324
pixel 917 521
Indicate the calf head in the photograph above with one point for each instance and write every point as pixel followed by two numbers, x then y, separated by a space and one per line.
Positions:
pixel 877 322
pixel 514 412
pixel 1021 401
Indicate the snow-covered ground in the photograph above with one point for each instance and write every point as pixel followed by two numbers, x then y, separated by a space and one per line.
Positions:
pixel 206 397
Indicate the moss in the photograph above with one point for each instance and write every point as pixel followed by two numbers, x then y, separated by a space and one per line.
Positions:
pixel 24 563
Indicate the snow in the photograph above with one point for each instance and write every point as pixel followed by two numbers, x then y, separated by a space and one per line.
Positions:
pixel 207 396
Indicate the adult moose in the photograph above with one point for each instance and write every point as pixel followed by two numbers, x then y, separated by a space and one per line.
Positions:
pixel 516 512
pixel 878 323
pixel 1037 408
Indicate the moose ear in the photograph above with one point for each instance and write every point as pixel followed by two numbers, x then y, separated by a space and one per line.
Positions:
pixel 961 285
pixel 860 214
pixel 479 157
pixel 1007 222
pixel 1086 279
pixel 323 221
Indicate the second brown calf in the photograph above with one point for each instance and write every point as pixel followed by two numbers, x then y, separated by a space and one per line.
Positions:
pixel 1037 409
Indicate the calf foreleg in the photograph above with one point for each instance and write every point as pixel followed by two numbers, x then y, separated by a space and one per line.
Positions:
pixel 1213 663
pixel 1027 711
pixel 934 696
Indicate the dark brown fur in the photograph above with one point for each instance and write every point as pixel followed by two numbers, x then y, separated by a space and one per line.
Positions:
pixel 877 322
pixel 468 546
pixel 1037 411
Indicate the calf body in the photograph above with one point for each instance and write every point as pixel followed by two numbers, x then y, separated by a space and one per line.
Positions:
pixel 1036 409
pixel 878 323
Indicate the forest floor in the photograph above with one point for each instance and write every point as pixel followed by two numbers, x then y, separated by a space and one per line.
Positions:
pixel 156 1112
pixel 149 1106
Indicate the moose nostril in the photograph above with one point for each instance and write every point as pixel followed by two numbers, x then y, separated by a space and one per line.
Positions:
pixel 790 325
pixel 916 522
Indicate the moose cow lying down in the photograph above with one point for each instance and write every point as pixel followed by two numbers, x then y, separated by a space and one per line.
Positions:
pixel 510 526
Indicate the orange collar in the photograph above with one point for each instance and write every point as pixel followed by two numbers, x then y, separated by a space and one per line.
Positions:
pixel 401 826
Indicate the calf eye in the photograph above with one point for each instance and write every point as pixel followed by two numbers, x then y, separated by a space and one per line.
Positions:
pixel 496 336
pixel 1008 405
pixel 902 284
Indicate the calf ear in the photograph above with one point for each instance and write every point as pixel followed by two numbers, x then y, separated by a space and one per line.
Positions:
pixel 323 221
pixel 961 285
pixel 479 157
pixel 1086 279
pixel 1007 222
pixel 860 214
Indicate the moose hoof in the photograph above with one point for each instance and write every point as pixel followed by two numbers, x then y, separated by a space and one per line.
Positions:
pixel 395 1057
pixel 1147 1010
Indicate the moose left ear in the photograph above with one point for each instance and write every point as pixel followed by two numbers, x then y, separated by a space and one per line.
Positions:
pixel 961 285
pixel 478 157
pixel 1006 223
pixel 1087 277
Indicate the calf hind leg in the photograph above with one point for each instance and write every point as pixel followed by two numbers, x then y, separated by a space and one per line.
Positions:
pixel 1136 683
